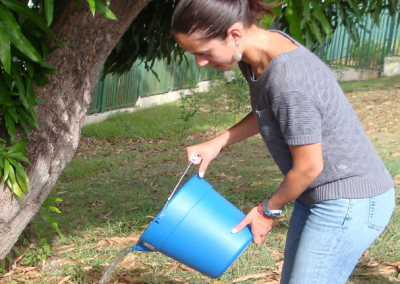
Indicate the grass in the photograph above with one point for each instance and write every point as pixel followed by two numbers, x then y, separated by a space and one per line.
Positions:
pixel 126 167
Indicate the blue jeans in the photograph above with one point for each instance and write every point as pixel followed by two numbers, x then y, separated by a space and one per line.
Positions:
pixel 325 240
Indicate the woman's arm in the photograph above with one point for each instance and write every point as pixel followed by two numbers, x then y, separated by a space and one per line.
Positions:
pixel 207 151
pixel 307 166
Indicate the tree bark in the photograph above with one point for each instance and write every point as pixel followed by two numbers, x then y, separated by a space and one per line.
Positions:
pixel 66 100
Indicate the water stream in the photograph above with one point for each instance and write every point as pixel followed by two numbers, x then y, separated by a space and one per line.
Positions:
pixel 105 279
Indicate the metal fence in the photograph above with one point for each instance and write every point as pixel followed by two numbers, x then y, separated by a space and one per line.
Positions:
pixel 376 43
pixel 123 91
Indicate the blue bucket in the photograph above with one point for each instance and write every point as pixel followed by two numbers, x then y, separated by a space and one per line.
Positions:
pixel 194 228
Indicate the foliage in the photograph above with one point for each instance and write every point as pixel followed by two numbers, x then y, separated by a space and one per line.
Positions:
pixel 37 247
pixel 11 170
pixel 149 38
pixel 33 255
pixel 311 22
pixel 23 47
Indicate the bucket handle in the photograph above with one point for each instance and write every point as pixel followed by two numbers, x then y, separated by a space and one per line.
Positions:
pixel 192 160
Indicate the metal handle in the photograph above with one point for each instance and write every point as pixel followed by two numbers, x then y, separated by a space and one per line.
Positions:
pixel 192 160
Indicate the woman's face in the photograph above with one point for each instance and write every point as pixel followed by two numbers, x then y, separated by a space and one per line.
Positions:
pixel 215 52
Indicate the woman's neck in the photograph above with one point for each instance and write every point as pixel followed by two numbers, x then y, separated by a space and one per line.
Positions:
pixel 261 46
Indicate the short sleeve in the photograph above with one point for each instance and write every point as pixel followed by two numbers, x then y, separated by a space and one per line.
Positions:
pixel 299 116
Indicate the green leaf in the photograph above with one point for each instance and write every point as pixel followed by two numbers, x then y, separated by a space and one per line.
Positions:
pixel 26 129
pixel 49 7
pixel 12 183
pixel 21 87
pixel 306 8
pixel 5 51
pixel 104 10
pixel 18 156
pixel 51 200
pixel 6 170
pixel 92 6
pixel 28 117
pixel 40 78
pixel 30 68
pixel 319 14
pixel 18 147
pixel 17 190
pixel 50 220
pixel 316 31
pixel 30 93
pixel 12 111
pixel 21 182
pixel 51 208
pixel 23 9
pixel 77 5
pixel 10 125
pixel 6 101
pixel 15 35
pixel 22 177
pixel 292 16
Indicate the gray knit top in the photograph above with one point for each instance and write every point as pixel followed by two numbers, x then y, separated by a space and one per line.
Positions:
pixel 297 101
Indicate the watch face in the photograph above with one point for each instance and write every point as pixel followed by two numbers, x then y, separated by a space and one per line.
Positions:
pixel 268 212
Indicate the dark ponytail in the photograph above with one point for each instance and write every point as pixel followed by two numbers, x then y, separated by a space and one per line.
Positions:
pixel 213 18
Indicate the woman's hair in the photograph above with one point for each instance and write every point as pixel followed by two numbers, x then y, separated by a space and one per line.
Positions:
pixel 213 18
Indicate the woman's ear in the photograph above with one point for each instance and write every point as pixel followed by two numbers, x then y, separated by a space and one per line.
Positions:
pixel 235 32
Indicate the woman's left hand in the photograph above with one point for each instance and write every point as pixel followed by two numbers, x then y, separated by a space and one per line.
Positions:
pixel 260 225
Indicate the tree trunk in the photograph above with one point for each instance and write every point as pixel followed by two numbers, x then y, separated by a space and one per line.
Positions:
pixel 66 100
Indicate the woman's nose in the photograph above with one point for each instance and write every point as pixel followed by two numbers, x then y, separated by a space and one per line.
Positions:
pixel 201 61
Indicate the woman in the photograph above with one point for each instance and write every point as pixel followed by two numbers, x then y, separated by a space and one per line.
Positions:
pixel 343 194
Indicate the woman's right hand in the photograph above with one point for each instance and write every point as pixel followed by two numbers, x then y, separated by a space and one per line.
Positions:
pixel 205 153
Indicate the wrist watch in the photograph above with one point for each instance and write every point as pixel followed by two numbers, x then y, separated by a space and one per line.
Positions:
pixel 267 211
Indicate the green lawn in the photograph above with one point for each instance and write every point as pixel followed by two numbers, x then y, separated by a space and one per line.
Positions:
pixel 126 167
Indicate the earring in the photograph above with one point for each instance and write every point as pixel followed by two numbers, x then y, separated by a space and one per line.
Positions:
pixel 237 56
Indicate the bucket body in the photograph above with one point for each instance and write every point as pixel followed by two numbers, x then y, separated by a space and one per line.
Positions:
pixel 194 229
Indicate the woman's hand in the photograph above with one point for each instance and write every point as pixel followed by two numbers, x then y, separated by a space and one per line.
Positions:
pixel 205 153
pixel 260 225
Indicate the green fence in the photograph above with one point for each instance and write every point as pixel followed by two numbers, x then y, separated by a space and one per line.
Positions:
pixel 376 43
pixel 123 91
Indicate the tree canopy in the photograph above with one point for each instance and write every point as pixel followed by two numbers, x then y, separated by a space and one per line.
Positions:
pixel 310 22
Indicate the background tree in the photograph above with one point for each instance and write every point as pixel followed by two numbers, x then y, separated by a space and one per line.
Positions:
pixel 43 103
pixel 65 97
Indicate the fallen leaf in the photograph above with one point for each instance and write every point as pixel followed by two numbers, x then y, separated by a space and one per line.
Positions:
pixel 65 279
pixel 251 276
pixel 9 273
pixel 372 263
pixel 387 270
pixel 25 268
pixel 63 247
pixel 65 251
pixel 395 264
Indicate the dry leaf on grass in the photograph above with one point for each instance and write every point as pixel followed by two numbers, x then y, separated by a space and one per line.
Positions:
pixel 395 264
pixel 64 280
pixel 25 268
pixel 251 276
pixel 387 270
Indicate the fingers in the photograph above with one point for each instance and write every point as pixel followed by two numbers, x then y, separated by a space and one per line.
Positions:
pixel 196 158
pixel 246 221
pixel 260 225
pixel 204 152
pixel 203 167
